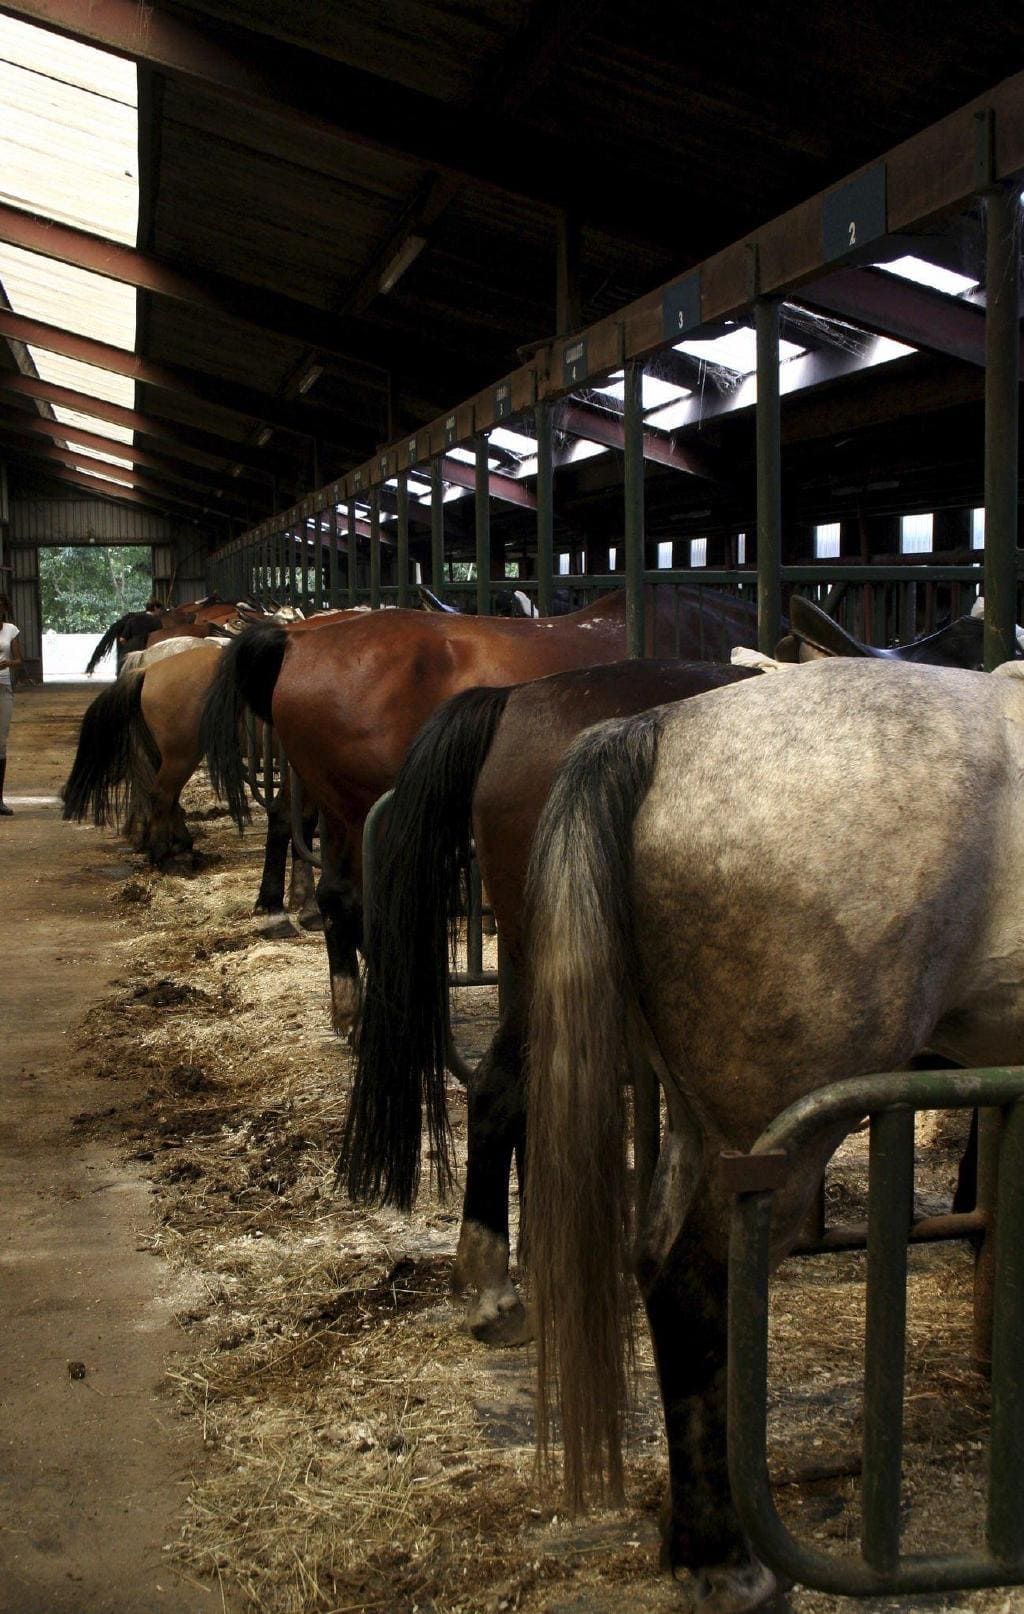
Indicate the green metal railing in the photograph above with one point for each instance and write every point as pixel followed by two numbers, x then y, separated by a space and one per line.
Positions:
pixel 754 1179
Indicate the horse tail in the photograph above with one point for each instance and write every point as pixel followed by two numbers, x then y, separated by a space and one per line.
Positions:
pixel 116 755
pixel 403 1031
pixel 107 642
pixel 245 678
pixel 582 1023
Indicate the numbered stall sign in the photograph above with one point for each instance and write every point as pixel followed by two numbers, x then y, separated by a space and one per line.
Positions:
pixel 503 400
pixel 450 432
pixel 854 215
pixel 680 307
pixel 574 362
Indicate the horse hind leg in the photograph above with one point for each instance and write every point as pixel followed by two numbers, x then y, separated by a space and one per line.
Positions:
pixel 341 907
pixel 302 891
pixel 496 1123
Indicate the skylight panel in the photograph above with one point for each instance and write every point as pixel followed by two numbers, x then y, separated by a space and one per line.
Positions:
pixel 69 152
pixel 736 350
pixel 514 442
pixel 673 414
pixel 468 457
pixel 924 273
pixel 656 392
pixel 97 454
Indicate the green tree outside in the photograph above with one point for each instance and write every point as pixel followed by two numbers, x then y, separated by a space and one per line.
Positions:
pixel 84 590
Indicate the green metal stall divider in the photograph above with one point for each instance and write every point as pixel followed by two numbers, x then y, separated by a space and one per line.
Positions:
pixel 891 1101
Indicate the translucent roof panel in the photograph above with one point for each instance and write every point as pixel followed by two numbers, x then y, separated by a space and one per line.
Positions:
pixel 736 350
pixel 924 273
pixel 656 392
pixel 69 151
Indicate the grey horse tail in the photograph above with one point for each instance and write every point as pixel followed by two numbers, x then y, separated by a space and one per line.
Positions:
pixel 584 996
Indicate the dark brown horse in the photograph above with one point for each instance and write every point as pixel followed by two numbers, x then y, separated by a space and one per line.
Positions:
pixel 348 701
pixel 483 764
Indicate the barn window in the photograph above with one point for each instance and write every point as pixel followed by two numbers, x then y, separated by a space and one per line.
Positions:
pixel 978 528
pixel 665 556
pixel 741 549
pixel 563 563
pixel 916 533
pixel 826 540
pixel 613 556
pixel 698 551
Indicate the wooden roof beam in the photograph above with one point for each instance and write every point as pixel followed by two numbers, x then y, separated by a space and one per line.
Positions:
pixel 506 488
pixel 312 91
pixel 16 443
pixel 63 433
pixel 234 399
pixel 220 294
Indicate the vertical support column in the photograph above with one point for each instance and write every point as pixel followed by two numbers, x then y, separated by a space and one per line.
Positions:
pixel 890 1207
pixel 483 530
pixel 633 535
pixel 769 478
pixel 375 549
pixel 1006 1459
pixel 294 572
pixel 402 540
pixel 545 508
pixel 318 561
pixel 353 553
pixel 1002 381
pixel 334 587
pixel 436 526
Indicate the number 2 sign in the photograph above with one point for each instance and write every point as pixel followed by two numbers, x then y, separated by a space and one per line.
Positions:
pixel 854 214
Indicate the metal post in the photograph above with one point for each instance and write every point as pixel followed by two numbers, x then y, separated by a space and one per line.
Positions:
pixel 545 509
pixel 769 478
pixel 1005 1531
pixel 402 540
pixel 375 549
pixel 318 562
pixel 1002 379
pixel 353 552
pixel 483 529
pixel 890 1210
pixel 633 426
pixel 436 527
pixel 334 594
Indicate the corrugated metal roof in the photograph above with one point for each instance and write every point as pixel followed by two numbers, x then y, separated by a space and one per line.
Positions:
pixel 69 151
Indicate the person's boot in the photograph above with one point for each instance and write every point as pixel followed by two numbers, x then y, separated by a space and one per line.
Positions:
pixel 5 812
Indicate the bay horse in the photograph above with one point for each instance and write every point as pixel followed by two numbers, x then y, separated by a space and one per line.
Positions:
pixel 134 630
pixel 481 766
pixel 348 702
pixel 690 893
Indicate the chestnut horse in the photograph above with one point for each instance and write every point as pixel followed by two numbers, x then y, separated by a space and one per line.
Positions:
pixel 482 765
pixel 690 893
pixel 348 701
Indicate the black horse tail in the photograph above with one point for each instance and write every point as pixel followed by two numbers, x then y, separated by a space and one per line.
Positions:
pixel 583 1020
pixel 117 755
pixel 106 643
pixel 403 1032
pixel 244 679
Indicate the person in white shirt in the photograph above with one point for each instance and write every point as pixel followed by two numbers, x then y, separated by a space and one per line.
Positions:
pixel 10 656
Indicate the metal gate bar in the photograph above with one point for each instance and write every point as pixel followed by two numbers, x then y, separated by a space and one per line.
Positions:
pixel 890 1099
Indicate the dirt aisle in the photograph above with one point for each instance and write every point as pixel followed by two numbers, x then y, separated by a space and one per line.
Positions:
pixel 93 1470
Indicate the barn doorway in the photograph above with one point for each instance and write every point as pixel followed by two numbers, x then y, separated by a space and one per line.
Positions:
pixel 83 588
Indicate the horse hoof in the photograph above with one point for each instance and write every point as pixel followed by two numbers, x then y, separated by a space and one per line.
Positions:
pixel 275 926
pixel 503 1326
pixel 344 1004
pixel 311 921
pixel 730 1589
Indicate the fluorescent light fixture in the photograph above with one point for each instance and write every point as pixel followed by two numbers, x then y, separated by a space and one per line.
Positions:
pixel 924 273
pixel 406 255
pixel 311 377
pixel 263 437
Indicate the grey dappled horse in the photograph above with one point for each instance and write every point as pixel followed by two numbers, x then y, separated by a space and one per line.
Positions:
pixel 768 888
